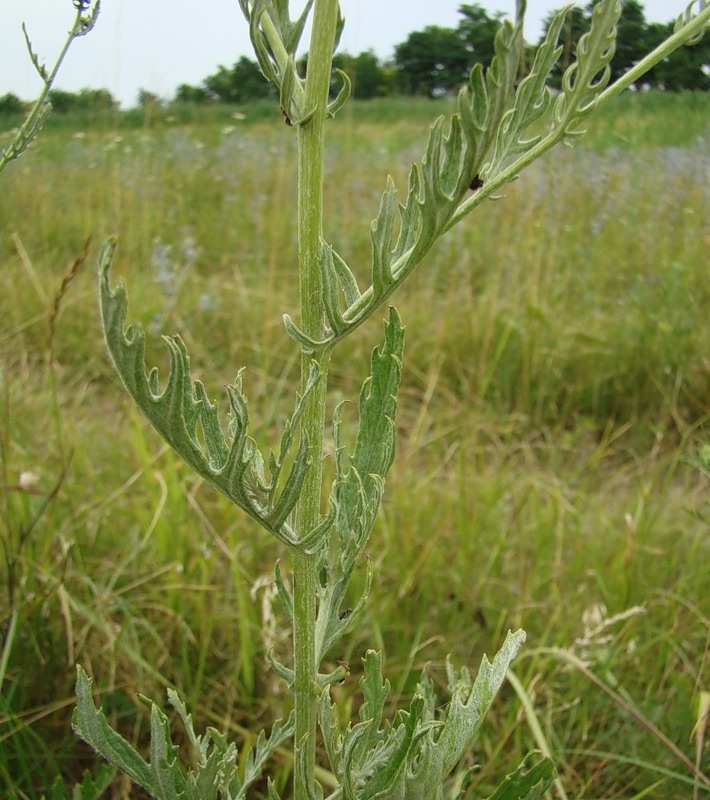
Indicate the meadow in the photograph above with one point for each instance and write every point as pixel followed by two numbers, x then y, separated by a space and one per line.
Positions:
pixel 553 453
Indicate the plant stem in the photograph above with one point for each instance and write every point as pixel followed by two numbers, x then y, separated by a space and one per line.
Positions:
pixel 670 45
pixel 24 135
pixel 307 515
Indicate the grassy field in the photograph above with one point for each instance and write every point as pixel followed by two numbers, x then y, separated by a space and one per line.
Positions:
pixel 552 467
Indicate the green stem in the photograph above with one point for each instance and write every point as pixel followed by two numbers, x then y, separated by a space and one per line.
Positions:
pixel 666 48
pixel 25 132
pixel 307 516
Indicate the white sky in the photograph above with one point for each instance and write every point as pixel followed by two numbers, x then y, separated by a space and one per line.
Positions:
pixel 159 44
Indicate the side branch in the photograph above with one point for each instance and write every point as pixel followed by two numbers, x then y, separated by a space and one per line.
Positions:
pixel 83 23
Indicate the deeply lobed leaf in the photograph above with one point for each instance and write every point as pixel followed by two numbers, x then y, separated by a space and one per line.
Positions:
pixel 359 484
pixel 275 38
pixel 693 10
pixel 589 74
pixel 184 416
pixel 216 775
pixel 532 100
pixel 437 184
pixel 526 783
pixel 90 723
pixel 92 787
pixel 412 758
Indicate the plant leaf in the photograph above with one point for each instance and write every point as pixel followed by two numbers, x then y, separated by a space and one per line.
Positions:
pixel 217 772
pixel 263 750
pixel 168 776
pixel 275 39
pixel 182 410
pixel 464 717
pixel 526 784
pixel 436 187
pixel 413 758
pixel 374 693
pixel 283 593
pixel 91 787
pixel 359 485
pixel 374 448
pixel 532 100
pixel 217 767
pixel 589 74
pixel 693 10
pixel 332 738
pixel 343 95
pixel 332 284
pixel 284 672
pixel 90 724
pixel 268 65
pixel 381 230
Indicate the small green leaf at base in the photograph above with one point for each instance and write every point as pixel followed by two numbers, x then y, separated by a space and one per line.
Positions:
pixel 216 775
pixel 526 784
pixel 412 757
pixel 90 724
pixel 92 787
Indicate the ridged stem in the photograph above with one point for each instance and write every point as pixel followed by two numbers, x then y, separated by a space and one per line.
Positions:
pixel 307 516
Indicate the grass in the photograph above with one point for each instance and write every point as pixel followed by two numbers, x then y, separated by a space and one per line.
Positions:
pixel 550 428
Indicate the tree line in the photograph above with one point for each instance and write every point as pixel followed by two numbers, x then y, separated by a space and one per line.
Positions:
pixel 437 60
pixel 431 62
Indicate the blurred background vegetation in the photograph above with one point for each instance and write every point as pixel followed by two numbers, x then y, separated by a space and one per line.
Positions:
pixel 553 459
pixel 431 63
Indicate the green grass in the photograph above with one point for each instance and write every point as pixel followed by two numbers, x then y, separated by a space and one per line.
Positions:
pixel 555 400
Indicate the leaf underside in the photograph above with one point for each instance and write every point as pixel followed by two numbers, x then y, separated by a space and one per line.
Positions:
pixel 217 775
pixel 498 130
pixel 189 422
pixel 359 486
pixel 412 756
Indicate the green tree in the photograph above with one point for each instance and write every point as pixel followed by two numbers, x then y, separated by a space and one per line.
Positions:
pixel 432 62
pixel 478 31
pixel 240 84
pixel 368 77
pixel 11 104
pixel 632 38
pixel 185 93
pixel 64 102
pixel 149 100
pixel 96 100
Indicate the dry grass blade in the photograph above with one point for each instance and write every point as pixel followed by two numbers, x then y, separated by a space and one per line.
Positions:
pixel 646 723
pixel 699 731
pixel 29 267
pixel 69 276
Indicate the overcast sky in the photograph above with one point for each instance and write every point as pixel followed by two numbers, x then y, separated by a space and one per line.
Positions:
pixel 159 44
